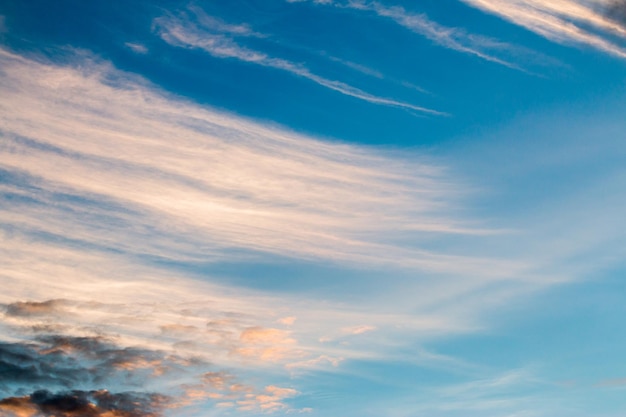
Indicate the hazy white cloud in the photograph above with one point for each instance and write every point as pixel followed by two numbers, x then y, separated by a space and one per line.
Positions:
pixel 269 401
pixel 315 362
pixel 513 393
pixel 287 321
pixel 563 21
pixel 205 35
pixel 357 67
pixel 181 182
pixel 616 382
pixel 137 47
pixel 217 25
pixel 267 344
pixel 364 328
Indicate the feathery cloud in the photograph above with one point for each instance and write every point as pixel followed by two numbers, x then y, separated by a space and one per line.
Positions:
pixel 105 174
pixel 454 38
pixel 206 35
pixel 181 182
pixel 565 21
pixel 136 47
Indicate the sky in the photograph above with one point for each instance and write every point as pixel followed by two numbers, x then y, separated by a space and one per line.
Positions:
pixel 334 208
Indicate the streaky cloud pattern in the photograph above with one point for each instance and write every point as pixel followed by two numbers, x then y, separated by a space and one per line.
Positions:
pixel 456 39
pixel 565 21
pixel 237 184
pixel 180 183
pixel 225 209
pixel 211 36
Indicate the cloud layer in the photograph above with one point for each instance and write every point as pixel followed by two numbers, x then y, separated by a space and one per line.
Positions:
pixel 595 23
pixel 111 189
pixel 180 182
pixel 109 185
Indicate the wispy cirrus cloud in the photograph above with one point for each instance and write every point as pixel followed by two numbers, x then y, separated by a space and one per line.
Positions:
pixel 457 39
pixel 109 185
pixel 594 23
pixel 182 182
pixel 454 38
pixel 136 47
pixel 101 169
pixel 217 38
pixel 615 382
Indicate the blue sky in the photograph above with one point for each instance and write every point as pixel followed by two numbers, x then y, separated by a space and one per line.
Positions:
pixel 326 208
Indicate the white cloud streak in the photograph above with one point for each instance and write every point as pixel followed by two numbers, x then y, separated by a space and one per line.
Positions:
pixel 137 48
pixel 102 173
pixel 452 38
pixel 563 21
pixel 209 37
pixel 100 170
pixel 181 182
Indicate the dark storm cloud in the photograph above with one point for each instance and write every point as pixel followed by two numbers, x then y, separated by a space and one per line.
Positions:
pixel 78 403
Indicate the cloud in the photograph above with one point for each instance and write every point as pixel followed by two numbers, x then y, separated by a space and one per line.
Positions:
pixel 211 38
pixel 512 393
pixel 137 48
pixel 89 366
pixel 113 185
pixel 457 39
pixel 315 362
pixel 270 401
pixel 452 38
pixel 215 24
pixel 287 321
pixel 259 335
pixel 114 168
pixel 616 382
pixel 83 404
pixel 68 361
pixel 354 330
pixel 267 344
pixel 84 371
pixel 31 308
pixel 616 10
pixel 357 67
pixel 564 21
pixel 227 393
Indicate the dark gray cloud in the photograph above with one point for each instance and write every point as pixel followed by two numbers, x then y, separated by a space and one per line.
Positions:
pixel 62 362
pixel 34 308
pixel 21 364
pixel 78 403
pixel 616 10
